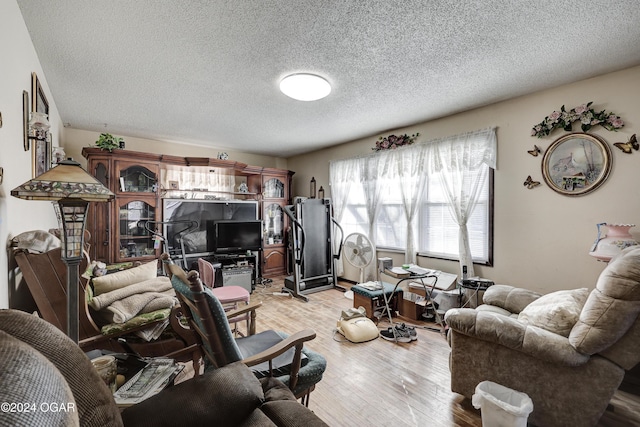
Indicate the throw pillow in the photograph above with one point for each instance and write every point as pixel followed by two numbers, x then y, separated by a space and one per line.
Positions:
pixel 556 312
pixel 120 279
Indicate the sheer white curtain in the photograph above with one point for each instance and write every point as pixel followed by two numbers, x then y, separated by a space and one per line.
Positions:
pixel 410 174
pixel 374 170
pixel 368 173
pixel 342 174
pixel 457 161
pixel 188 178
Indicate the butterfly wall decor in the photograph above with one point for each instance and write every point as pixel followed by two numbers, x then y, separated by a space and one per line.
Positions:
pixel 627 146
pixel 530 183
pixel 536 150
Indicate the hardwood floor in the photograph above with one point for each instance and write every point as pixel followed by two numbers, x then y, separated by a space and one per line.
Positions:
pixel 381 383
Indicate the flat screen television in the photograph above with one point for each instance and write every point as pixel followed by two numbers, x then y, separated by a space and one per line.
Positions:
pixel 225 236
pixel 202 212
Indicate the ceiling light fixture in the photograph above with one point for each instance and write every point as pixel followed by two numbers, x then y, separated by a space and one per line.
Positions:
pixel 305 87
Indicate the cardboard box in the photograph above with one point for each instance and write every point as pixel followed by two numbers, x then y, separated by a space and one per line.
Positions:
pixel 411 309
pixel 445 300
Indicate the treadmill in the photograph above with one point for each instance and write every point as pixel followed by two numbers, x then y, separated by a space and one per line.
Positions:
pixel 312 247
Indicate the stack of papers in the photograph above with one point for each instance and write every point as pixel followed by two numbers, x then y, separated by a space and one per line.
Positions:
pixel 398 272
pixel 445 281
pixel 149 381
pixel 414 269
pixel 371 286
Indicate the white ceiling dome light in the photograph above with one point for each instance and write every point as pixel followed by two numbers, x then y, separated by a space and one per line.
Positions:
pixel 305 87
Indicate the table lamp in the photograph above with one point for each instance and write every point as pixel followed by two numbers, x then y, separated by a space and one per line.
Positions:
pixel 71 188
pixel 617 238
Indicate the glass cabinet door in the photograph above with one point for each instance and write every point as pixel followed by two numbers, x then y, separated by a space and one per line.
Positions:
pixel 101 172
pixel 135 240
pixel 138 179
pixel 273 189
pixel 274 224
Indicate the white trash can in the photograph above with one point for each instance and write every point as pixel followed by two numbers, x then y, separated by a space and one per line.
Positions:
pixel 501 406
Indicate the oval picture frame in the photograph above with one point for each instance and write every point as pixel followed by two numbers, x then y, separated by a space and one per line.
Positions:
pixel 576 164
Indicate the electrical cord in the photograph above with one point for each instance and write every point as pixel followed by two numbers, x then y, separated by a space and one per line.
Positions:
pixel 474 294
pixel 335 333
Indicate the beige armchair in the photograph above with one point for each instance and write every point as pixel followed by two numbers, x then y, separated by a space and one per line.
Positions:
pixel 569 370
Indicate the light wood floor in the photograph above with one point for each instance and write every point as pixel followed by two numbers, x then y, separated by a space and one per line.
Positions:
pixel 381 383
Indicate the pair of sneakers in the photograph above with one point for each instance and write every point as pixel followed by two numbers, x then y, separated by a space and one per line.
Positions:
pixel 411 330
pixel 400 333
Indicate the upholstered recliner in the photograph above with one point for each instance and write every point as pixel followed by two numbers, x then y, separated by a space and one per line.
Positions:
pixel 48 381
pixel 570 371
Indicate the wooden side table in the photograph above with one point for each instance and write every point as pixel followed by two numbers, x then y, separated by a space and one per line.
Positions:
pixel 385 298
pixel 428 289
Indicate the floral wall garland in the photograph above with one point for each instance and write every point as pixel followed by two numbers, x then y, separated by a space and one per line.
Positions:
pixel 587 116
pixel 392 142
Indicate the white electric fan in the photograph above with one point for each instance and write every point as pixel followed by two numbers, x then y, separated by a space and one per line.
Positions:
pixel 359 251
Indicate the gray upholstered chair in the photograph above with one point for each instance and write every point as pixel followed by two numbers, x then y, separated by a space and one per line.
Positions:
pixel 570 374
pixel 268 353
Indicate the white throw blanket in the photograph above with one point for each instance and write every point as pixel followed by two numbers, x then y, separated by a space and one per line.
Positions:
pixel 144 297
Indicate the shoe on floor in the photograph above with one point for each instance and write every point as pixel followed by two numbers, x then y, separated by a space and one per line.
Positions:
pixel 394 334
pixel 410 330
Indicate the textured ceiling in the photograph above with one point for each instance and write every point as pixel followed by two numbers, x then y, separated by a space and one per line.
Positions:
pixel 207 72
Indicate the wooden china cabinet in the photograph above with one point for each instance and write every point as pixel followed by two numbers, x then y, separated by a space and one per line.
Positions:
pixel 275 185
pixel 117 227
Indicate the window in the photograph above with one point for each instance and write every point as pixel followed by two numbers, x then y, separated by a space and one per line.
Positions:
pixel 437 230
pixel 437 185
pixel 354 219
pixel 391 226
pixel 438 236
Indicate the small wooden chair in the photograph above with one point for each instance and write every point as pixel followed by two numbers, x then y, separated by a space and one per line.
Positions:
pixel 230 296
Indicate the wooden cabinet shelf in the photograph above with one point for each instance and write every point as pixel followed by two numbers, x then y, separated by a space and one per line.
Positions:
pixel 274 185
pixel 139 181
pixel 164 192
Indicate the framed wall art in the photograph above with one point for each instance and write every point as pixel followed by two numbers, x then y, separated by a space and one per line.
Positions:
pixel 39 101
pixel 41 149
pixel 25 120
pixel 576 164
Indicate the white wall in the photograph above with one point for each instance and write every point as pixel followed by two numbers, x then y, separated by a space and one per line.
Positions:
pixel 75 139
pixel 541 237
pixel 19 60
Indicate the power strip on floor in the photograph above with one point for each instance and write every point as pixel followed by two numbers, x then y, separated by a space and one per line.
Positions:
pixel 282 294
